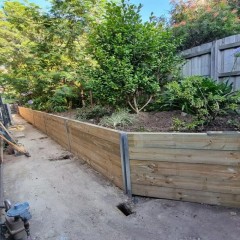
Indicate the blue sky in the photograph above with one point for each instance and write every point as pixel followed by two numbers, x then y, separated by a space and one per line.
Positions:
pixel 158 7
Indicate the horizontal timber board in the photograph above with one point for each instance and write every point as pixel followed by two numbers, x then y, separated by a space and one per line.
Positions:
pixel 108 168
pixel 186 156
pixel 196 53
pixel 94 141
pixel 221 172
pixel 199 141
pixel 93 153
pixel 224 199
pixel 98 131
pixel 200 183
pixel 39 121
pixel 229 74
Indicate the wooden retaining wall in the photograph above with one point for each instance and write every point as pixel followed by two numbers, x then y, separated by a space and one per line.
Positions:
pixel 195 167
pixel 199 167
pixel 98 146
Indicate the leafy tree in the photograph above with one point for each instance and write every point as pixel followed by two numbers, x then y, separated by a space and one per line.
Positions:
pixel 46 51
pixel 133 58
pixel 198 21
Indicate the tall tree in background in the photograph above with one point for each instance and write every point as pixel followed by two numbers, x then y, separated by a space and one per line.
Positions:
pixel 201 21
pixel 44 52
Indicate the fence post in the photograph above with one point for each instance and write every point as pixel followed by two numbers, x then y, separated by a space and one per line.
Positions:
pixel 125 164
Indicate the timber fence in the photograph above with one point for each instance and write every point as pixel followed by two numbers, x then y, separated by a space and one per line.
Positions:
pixel 216 60
pixel 195 167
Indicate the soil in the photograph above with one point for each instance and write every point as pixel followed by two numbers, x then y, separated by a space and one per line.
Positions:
pixel 163 122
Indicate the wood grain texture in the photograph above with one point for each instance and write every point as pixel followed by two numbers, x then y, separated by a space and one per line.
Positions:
pixel 39 121
pixel 27 114
pixel 224 199
pixel 220 179
pixel 186 156
pixel 196 167
pixel 99 147
pixel 56 129
pixel 197 141
pixel 215 59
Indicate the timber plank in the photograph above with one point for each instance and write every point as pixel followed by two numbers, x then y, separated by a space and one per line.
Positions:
pixel 152 168
pixel 98 131
pixel 229 200
pixel 186 156
pixel 95 154
pixel 190 183
pixel 230 141
pixel 95 141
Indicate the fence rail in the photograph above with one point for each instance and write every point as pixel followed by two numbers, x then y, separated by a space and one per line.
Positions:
pixel 195 167
pixel 215 59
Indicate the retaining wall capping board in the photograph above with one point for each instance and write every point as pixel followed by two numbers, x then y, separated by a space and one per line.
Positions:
pixel 195 167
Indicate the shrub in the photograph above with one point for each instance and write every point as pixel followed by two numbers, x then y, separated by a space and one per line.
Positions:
pixel 180 125
pixel 133 58
pixel 96 112
pixel 200 96
pixel 121 118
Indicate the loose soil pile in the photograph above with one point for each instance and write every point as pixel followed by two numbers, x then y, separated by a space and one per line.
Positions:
pixel 163 122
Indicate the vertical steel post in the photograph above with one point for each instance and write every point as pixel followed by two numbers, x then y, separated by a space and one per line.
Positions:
pixel 125 164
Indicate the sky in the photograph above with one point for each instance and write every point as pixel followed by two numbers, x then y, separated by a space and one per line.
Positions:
pixel 158 7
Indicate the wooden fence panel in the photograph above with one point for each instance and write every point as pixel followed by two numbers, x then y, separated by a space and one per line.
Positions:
pixel 99 147
pixel 186 166
pixel 216 60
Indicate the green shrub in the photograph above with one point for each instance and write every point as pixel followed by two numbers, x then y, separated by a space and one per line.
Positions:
pixel 234 123
pixel 180 125
pixel 200 96
pixel 120 118
pixel 96 112
pixel 133 58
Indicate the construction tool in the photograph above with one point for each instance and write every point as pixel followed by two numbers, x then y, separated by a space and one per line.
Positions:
pixel 16 221
pixel 18 148
pixel 7 137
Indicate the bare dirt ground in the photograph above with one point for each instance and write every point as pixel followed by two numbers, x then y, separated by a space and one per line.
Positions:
pixel 163 122
pixel 70 201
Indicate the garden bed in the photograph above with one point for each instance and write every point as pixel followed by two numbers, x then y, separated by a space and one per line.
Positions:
pixel 196 167
pixel 164 122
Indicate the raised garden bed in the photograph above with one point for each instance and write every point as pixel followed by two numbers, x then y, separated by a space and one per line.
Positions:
pixel 196 167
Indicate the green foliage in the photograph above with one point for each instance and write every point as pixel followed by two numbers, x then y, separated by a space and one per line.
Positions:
pixel 180 125
pixel 44 52
pixel 200 22
pixel 120 118
pixel 201 97
pixel 96 113
pixel 235 123
pixel 133 58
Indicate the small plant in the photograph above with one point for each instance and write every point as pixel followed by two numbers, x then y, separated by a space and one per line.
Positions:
pixel 180 125
pixel 201 97
pixel 235 124
pixel 120 118
pixel 96 112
